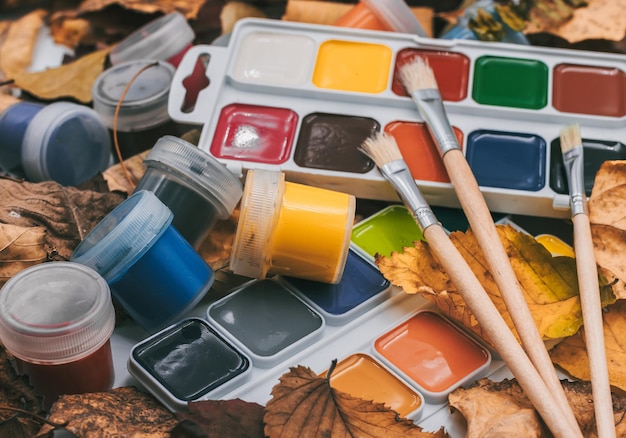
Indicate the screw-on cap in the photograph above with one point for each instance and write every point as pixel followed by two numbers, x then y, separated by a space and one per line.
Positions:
pixel 124 235
pixel 260 206
pixel 159 39
pixel 207 176
pixel 55 312
pixel 145 103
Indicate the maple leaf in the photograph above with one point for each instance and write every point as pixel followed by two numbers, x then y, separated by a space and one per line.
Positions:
pixel 549 283
pixel 304 404
pixel 497 409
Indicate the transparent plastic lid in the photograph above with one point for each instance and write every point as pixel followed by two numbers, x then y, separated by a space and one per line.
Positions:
pixel 210 178
pixel 124 235
pixel 55 312
pixel 67 143
pixel 397 15
pixel 159 39
pixel 145 103
pixel 260 206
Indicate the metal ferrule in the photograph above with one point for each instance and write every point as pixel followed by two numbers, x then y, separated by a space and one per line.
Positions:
pixel 430 106
pixel 574 168
pixel 398 174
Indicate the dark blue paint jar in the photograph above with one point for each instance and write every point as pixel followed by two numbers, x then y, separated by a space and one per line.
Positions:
pixel 155 275
pixel 13 123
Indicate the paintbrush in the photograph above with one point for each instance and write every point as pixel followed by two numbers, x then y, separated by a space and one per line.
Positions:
pixel 383 150
pixel 573 159
pixel 419 80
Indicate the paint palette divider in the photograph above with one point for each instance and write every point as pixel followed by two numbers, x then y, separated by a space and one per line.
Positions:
pixel 256 73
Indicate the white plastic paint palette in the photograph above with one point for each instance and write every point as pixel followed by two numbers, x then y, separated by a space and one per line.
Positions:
pixel 301 98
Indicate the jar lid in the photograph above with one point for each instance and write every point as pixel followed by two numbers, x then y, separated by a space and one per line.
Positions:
pixel 55 312
pixel 124 235
pixel 260 204
pixel 201 171
pixel 65 142
pixel 159 39
pixel 397 15
pixel 145 102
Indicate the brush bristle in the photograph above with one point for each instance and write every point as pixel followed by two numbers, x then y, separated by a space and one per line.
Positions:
pixel 417 75
pixel 570 137
pixel 381 148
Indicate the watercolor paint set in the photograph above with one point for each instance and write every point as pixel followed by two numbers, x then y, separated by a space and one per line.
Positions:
pixel 301 98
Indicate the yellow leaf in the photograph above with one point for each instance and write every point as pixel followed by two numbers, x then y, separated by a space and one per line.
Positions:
pixel 20 247
pixel 72 80
pixel 549 283
pixel 304 404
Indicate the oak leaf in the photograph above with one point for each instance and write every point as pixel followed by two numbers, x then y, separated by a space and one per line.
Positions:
pixel 497 409
pixel 549 283
pixel 72 80
pixel 304 404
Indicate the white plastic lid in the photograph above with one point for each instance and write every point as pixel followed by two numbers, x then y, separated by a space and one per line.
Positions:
pixel 160 39
pixel 65 142
pixel 55 312
pixel 207 176
pixel 145 103
pixel 260 205
pixel 397 15
pixel 124 235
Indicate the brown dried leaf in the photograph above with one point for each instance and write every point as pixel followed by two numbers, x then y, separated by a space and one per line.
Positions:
pixel 59 210
pixel 73 80
pixel 122 412
pixel 304 404
pixel 17 49
pixel 223 418
pixel 20 247
pixel 497 409
pixel 571 354
pixel 548 283
pixel 116 178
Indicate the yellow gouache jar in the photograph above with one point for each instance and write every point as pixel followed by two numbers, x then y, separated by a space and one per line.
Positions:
pixel 291 229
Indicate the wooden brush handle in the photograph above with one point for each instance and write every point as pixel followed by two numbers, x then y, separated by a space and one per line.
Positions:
pixel 594 331
pixel 481 222
pixel 500 335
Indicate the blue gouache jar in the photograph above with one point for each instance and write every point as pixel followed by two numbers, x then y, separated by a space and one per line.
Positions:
pixel 155 275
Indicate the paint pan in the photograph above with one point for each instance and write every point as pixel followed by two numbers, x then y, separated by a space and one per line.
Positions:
pixel 188 361
pixel 266 321
pixel 360 375
pixel 315 115
pixel 433 354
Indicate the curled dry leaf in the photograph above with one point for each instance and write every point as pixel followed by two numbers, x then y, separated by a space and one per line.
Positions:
pixel 304 404
pixel 73 80
pixel 571 354
pixel 16 51
pixel 20 247
pixel 497 409
pixel 59 210
pixel 122 412
pixel 549 283
pixel 607 215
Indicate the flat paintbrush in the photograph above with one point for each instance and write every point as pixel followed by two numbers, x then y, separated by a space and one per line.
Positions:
pixel 419 80
pixel 383 150
pixel 588 285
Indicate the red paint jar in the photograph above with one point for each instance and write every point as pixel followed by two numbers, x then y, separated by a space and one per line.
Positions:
pixel 57 318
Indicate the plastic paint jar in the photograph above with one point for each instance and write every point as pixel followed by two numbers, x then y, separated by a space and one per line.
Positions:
pixel 56 319
pixel 291 229
pixel 154 273
pixel 143 116
pixel 198 189
pixel 166 38
pixel 62 141
pixel 388 15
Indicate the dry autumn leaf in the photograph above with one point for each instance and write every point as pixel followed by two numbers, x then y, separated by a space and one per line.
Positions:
pixel 607 215
pixel 17 48
pixel 549 283
pixel 60 210
pixel 571 354
pixel 304 404
pixel 73 80
pixel 497 409
pixel 20 247
pixel 121 412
